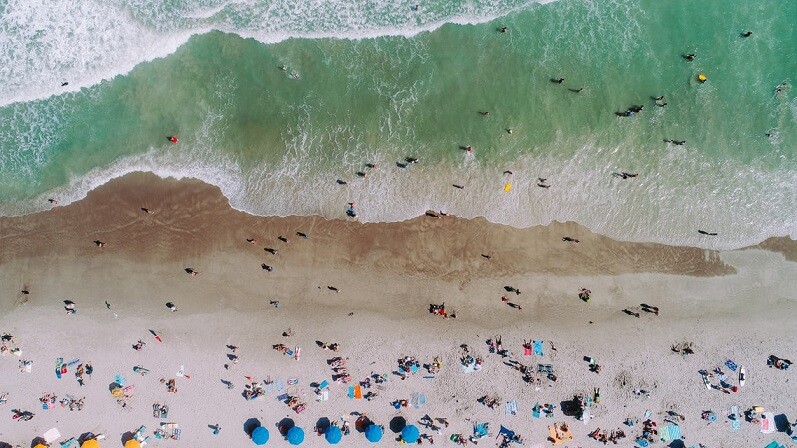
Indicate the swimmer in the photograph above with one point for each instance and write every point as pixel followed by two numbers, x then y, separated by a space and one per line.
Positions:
pixel 411 159
pixel 557 80
pixel 508 172
pixel 282 238
pixel 370 165
pixel 145 210
pixel 485 113
pixel 703 232
pixel 266 267
pixel 284 68
pixel 270 250
pixel 469 149
pixel 689 57
pixel 251 241
pixel 747 34
pixel 508 130
pixel 341 182
pixel 302 234
pixel 64 84
pixel 361 174
pixel 780 88
pixel 52 201
pixel 578 90
pixel 503 29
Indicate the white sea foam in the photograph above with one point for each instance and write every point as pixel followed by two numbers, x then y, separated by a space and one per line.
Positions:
pixel 44 43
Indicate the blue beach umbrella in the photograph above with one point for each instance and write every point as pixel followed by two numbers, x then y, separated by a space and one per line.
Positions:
pixel 295 436
pixel 410 434
pixel 333 435
pixel 260 435
pixel 373 433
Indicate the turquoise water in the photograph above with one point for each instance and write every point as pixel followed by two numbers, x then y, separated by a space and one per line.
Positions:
pixel 275 105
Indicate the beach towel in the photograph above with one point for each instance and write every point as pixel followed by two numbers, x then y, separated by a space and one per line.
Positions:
pixel 480 429
pixel 468 368
pixel 731 365
pixel 511 408
pixel 279 385
pixel 418 400
pixel 538 348
pixel 768 423
pixel 325 395
pixel 774 444
pixel 414 368
pixel 526 351
pixel 670 432
pixel 270 387
pixel 120 380
pixel 507 432
pixel 351 392
pixel 52 435
pixel 642 443
pixel 282 397
pixel 735 422
pixel 323 385
pixel 358 392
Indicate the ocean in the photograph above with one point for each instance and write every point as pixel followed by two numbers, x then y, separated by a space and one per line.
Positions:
pixel 277 101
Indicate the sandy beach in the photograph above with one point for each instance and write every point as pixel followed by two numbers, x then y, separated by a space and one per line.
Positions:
pixel 728 305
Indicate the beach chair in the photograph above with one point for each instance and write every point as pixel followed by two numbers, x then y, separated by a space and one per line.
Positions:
pixel 176 433
pixel 774 444
pixel 511 408
pixel 731 365
pixel 669 433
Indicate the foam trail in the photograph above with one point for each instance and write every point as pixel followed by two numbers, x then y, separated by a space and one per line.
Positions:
pixel 44 43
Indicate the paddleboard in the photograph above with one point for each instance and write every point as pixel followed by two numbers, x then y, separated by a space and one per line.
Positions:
pixel 706 382
pixel 742 375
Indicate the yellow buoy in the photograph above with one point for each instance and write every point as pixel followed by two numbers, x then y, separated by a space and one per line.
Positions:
pixel 508 187
pixel 702 78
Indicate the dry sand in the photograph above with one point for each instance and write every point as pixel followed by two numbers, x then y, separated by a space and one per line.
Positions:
pixel 740 305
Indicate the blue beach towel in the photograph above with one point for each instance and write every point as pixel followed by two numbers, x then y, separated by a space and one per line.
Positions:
pixel 351 392
pixel 480 429
pixel 731 365
pixel 418 400
pixel 535 411
pixel 279 385
pixel 507 432
pixel 538 348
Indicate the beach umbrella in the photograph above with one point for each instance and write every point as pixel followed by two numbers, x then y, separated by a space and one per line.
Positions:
pixel 132 443
pixel 295 436
pixel 91 443
pixel 410 434
pixel 333 435
pixel 40 445
pixel 373 433
pixel 260 435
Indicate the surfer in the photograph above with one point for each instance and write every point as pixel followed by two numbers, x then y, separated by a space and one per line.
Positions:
pixel 350 212
pixel 361 174
pixel 145 210
pixel 703 232
pixel 541 183
pixel 507 172
pixel 64 84
pixel 508 130
pixel 570 239
pixel 485 113
pixel 503 29
pixel 173 139
pixel 747 34
pixel 458 186
pixel 270 250
pixel 411 159
pixel 266 267
pixel 557 80
pixel 341 182
pixel 52 201
pixel 282 238
pixel 578 90
pixel 302 234
pixel 689 57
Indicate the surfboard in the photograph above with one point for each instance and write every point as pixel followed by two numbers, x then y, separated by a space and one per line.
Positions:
pixel 742 375
pixel 706 382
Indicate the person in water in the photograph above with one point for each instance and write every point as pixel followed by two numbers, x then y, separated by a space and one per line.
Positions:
pixel 747 34
pixel 578 90
pixel 557 80
pixel 503 29
pixel 689 57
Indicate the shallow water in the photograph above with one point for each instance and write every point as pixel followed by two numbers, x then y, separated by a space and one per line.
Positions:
pixel 412 83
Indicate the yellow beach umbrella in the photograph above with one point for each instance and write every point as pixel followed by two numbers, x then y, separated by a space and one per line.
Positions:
pixel 132 443
pixel 91 443
pixel 40 445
